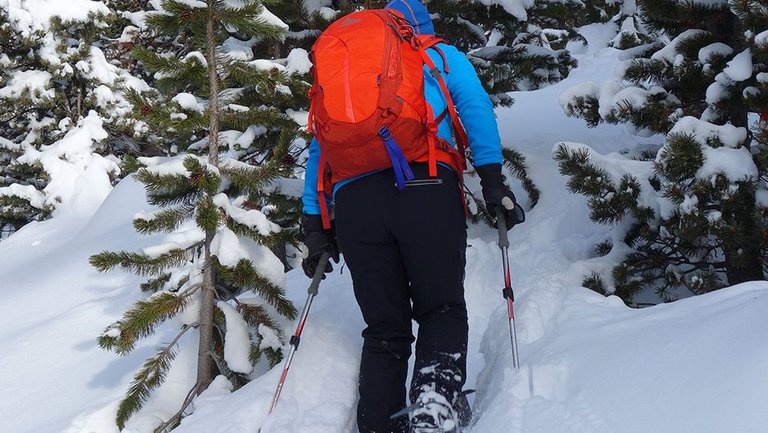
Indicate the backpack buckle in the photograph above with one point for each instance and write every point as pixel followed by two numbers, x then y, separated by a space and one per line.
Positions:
pixel 384 133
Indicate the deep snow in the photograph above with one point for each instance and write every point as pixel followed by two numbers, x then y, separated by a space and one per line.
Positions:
pixel 589 364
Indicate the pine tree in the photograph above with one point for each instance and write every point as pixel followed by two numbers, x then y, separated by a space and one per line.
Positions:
pixel 257 92
pixel 632 30
pixel 28 95
pixel 305 21
pixel 52 76
pixel 305 24
pixel 512 48
pixel 21 199
pixel 214 192
pixel 694 220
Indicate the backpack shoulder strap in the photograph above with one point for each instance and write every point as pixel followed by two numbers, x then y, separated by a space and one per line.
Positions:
pixel 321 196
pixel 462 140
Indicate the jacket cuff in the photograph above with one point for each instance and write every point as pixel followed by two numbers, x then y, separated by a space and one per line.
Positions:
pixel 312 223
pixel 490 174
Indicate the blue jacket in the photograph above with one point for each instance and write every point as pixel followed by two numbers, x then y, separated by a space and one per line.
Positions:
pixel 472 103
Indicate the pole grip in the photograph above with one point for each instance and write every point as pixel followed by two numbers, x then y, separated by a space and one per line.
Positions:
pixel 319 273
pixel 501 225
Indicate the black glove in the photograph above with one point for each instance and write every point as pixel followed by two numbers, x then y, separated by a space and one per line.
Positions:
pixel 498 196
pixel 318 241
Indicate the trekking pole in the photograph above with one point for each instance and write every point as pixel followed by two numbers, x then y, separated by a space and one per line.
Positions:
pixel 509 295
pixel 296 337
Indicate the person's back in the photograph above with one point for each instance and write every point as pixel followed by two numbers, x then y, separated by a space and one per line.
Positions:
pixel 404 239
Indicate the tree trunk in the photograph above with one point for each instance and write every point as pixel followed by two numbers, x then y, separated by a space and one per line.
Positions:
pixel 205 324
pixel 342 4
pixel 213 133
pixel 746 267
pixel 742 248
pixel 742 251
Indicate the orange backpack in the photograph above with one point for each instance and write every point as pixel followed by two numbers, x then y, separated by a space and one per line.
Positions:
pixel 367 105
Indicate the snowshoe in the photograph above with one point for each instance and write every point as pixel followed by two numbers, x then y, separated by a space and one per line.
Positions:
pixel 434 414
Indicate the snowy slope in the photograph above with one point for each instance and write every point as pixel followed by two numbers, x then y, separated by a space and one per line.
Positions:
pixel 589 364
pixel 52 366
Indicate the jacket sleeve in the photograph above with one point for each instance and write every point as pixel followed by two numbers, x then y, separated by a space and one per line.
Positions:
pixel 311 204
pixel 474 106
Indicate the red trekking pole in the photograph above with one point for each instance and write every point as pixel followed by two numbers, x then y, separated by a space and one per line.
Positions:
pixel 296 337
pixel 509 295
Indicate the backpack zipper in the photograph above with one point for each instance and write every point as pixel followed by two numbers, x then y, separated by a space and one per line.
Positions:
pixel 423 182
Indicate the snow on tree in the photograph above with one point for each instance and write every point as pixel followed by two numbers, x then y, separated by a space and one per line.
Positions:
pixel 632 31
pixel 513 45
pixel 690 218
pixel 305 20
pixel 54 74
pixel 214 194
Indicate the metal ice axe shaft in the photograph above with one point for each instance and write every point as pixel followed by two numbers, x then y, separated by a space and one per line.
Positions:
pixel 296 337
pixel 507 291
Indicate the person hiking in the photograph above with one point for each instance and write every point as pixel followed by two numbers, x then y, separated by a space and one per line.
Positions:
pixel 401 224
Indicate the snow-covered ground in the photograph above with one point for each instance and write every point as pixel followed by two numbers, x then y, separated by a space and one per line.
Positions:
pixel 589 363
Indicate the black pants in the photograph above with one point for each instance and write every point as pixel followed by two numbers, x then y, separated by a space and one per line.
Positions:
pixel 406 251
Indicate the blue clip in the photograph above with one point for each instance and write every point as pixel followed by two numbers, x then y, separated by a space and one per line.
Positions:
pixel 384 133
pixel 403 171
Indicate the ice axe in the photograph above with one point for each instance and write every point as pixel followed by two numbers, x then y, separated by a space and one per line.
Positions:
pixel 509 295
